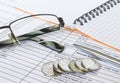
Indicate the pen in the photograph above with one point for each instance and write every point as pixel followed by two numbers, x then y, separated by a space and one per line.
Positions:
pixel 99 55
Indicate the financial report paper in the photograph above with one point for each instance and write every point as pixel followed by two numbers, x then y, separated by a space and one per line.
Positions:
pixel 22 63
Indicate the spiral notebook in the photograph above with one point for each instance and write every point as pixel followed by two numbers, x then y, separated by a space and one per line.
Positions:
pixel 102 24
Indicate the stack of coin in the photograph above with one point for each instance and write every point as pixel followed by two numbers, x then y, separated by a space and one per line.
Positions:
pixel 82 65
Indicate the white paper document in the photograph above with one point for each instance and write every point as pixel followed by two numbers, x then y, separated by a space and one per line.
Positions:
pixel 21 63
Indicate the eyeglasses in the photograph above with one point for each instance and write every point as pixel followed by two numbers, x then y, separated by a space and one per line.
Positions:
pixel 28 24
pixel 27 28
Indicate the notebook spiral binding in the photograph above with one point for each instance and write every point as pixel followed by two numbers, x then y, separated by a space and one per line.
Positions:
pixel 96 12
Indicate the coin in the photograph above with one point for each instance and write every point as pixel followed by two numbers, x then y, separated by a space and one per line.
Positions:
pixel 78 63
pixel 47 69
pixel 64 65
pixel 56 68
pixel 82 65
pixel 55 72
pixel 90 64
pixel 74 68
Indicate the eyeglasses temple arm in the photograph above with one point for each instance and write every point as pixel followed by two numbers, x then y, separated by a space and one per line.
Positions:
pixel 4 27
pixel 62 23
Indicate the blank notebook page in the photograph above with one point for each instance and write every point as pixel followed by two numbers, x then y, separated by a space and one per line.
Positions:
pixel 105 27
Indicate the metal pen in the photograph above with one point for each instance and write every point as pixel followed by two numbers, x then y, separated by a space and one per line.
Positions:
pixel 98 55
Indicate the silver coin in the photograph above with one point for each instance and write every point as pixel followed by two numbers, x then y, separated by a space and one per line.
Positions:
pixel 64 65
pixel 90 64
pixel 47 69
pixel 56 68
pixel 74 68
pixel 78 63
pixel 55 72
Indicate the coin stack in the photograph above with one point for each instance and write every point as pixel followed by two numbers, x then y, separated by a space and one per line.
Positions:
pixel 82 65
